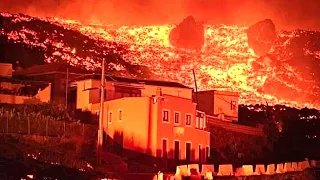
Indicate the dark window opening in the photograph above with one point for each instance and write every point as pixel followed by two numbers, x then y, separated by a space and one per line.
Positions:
pixel 121 92
pixel 176 118
pixel 165 116
pixel 188 119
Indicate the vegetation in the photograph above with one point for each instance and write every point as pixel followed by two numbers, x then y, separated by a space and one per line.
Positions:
pixel 292 133
pixel 55 111
pixel 21 120
pixel 237 148
pixel 34 154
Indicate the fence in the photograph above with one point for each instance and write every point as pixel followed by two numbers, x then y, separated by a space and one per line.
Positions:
pixel 20 122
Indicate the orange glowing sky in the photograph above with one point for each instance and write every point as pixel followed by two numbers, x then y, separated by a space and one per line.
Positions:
pixel 287 14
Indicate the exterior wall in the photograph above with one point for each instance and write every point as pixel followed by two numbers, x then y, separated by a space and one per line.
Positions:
pixel 45 94
pixel 190 133
pixel 206 102
pixel 83 94
pixel 178 92
pixel 12 99
pixel 222 104
pixel 6 69
pixel 142 129
pixel 92 96
pixel 42 96
pixel 134 126
pixel 95 94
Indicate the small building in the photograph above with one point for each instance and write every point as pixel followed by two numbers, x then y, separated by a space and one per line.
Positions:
pixel 151 117
pixel 56 74
pixel 158 126
pixel 88 89
pixel 18 91
pixel 220 104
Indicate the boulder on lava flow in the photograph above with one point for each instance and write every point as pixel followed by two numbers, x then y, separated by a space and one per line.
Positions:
pixel 261 36
pixel 189 34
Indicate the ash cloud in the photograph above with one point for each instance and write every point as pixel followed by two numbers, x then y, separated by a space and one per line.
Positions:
pixel 287 14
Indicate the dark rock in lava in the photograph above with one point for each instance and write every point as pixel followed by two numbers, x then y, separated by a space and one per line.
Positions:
pixel 261 36
pixel 189 34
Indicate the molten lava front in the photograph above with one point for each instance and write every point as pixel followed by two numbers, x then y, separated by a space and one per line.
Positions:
pixel 224 62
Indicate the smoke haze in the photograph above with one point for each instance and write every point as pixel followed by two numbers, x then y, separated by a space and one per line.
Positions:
pixel 286 14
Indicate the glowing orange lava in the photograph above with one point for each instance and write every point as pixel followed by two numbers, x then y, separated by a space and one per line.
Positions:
pixel 225 61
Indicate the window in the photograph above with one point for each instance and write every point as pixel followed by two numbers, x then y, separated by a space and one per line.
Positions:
pixel 188 119
pixel 120 115
pixel 176 117
pixel 165 115
pixel 233 105
pixel 121 92
pixel 110 117
pixel 207 151
pixel 200 120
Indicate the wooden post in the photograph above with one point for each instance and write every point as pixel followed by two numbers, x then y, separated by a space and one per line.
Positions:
pixel 83 129
pixel 47 126
pixel 7 124
pixel 101 113
pixel 28 126
pixel 64 128
pixel 67 86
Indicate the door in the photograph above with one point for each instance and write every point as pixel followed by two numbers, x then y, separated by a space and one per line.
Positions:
pixel 164 148
pixel 176 150
pixel 200 153
pixel 188 152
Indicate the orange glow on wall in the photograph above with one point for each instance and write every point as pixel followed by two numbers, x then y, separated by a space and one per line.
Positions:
pixel 143 128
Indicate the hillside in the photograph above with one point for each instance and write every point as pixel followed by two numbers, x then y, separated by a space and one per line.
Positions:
pixel 225 61
pixel 34 41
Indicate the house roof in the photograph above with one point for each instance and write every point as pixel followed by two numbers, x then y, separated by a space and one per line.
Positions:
pixel 133 81
pixel 221 92
pixel 49 69
pixel 22 81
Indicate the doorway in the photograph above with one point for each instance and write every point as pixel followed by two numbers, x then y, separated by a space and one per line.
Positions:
pixel 188 151
pixel 164 148
pixel 176 150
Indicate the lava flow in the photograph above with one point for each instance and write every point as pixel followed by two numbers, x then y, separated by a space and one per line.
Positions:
pixel 224 62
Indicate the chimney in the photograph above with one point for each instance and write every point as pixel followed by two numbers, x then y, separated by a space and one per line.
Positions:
pixel 159 92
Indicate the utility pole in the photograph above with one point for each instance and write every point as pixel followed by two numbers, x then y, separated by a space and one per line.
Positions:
pixel 196 86
pixel 67 86
pixel 101 113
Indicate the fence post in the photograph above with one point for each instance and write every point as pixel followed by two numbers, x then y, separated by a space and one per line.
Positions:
pixel 28 125
pixel 47 122
pixel 7 124
pixel 64 128
pixel 83 129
